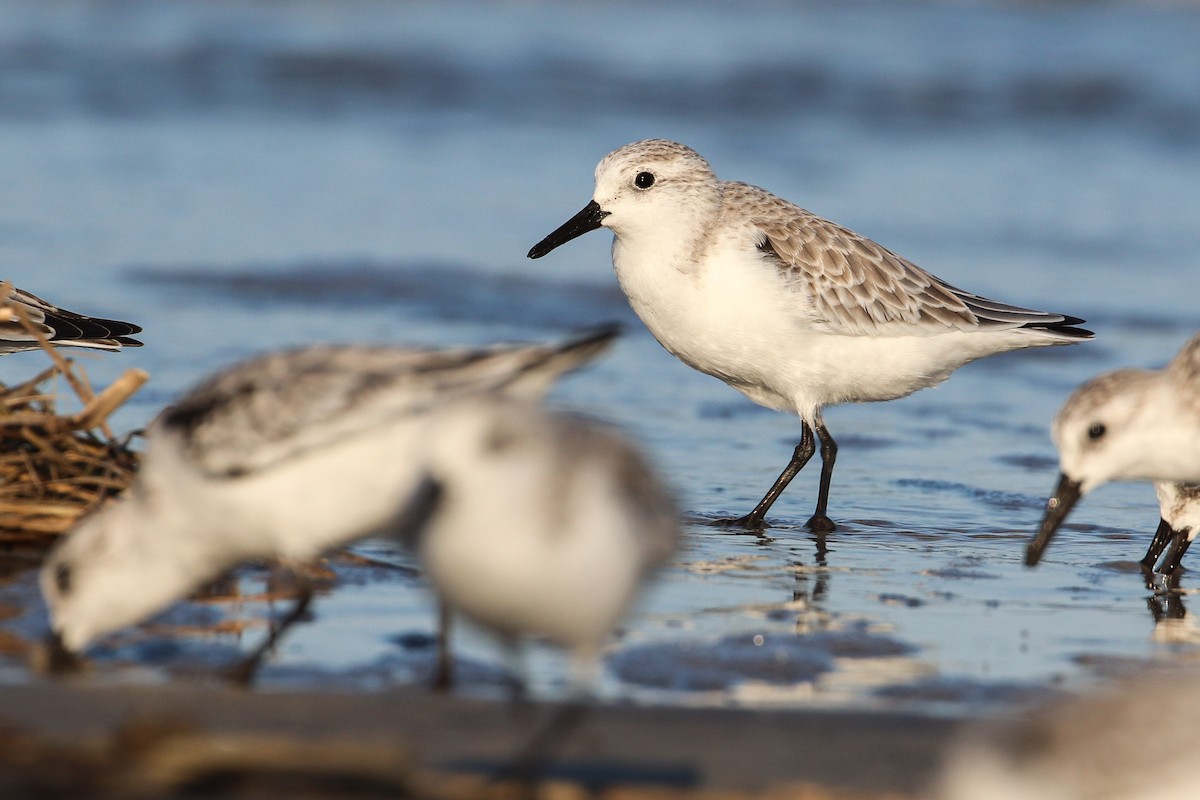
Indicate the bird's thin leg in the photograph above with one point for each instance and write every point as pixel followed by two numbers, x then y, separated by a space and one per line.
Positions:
pixel 803 452
pixel 536 755
pixel 243 673
pixel 819 522
pixel 443 671
pixel 1179 545
pixel 1162 537
pixel 548 740
pixel 514 663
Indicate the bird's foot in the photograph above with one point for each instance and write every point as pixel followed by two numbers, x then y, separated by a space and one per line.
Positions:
pixel 749 523
pixel 819 523
pixel 241 675
pixel 1149 576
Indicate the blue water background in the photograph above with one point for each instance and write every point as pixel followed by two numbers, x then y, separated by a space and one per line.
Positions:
pixel 237 176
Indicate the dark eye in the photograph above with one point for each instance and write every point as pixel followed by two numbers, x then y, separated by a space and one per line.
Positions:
pixel 1097 430
pixel 644 180
pixel 62 578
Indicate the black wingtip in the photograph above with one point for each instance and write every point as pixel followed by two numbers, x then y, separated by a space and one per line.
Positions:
pixel 1077 333
pixel 583 347
pixel 600 332
pixel 67 326
pixel 592 340
pixel 1065 326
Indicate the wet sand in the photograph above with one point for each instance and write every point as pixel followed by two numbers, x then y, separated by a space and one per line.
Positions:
pixel 382 733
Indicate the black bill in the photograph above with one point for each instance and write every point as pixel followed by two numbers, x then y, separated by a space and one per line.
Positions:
pixel 586 220
pixel 1066 495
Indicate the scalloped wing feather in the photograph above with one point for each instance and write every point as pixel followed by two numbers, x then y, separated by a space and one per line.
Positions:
pixel 856 286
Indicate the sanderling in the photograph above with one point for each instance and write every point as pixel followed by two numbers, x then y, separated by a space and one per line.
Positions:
pixel 1130 424
pixel 1179 506
pixel 60 327
pixel 1131 741
pixel 535 523
pixel 283 456
pixel 794 311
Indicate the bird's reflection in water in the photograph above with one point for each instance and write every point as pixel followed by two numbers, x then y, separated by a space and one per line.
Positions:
pixel 1166 606
pixel 811 592
pixel 1172 625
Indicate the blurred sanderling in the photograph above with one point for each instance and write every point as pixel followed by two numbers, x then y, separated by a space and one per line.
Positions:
pixel 535 523
pixel 1132 741
pixel 60 327
pixel 794 311
pixel 1130 424
pixel 282 456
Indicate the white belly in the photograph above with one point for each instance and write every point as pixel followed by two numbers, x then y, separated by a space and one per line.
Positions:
pixel 307 504
pixel 737 319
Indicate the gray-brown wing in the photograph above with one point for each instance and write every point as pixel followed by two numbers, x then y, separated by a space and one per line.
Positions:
pixel 268 409
pixel 860 287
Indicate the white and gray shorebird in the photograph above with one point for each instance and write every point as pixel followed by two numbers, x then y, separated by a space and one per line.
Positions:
pixel 61 327
pixel 1130 424
pixel 794 311
pixel 282 456
pixel 538 524
pixel 1132 740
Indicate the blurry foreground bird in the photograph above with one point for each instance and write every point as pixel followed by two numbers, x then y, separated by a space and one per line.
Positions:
pixel 282 456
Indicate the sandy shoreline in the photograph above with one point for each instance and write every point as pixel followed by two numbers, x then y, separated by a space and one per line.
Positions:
pixel 691 749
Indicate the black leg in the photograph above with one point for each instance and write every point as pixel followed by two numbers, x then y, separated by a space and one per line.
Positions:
pixel 1179 545
pixel 530 764
pixel 443 672
pixel 819 522
pixel 514 668
pixel 243 673
pixel 1162 537
pixel 803 452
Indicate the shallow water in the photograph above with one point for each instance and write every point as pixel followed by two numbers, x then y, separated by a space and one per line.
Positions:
pixel 239 176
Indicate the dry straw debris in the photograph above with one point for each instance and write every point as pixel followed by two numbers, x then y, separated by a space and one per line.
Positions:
pixel 55 467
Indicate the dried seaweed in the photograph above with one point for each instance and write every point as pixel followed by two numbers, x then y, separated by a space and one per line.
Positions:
pixel 55 467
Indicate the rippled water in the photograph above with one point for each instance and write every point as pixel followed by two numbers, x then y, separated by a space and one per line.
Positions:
pixel 237 176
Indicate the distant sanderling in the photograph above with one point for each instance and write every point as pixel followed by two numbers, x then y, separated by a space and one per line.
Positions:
pixel 60 327
pixel 285 455
pixel 792 310
pixel 535 523
pixel 1131 424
